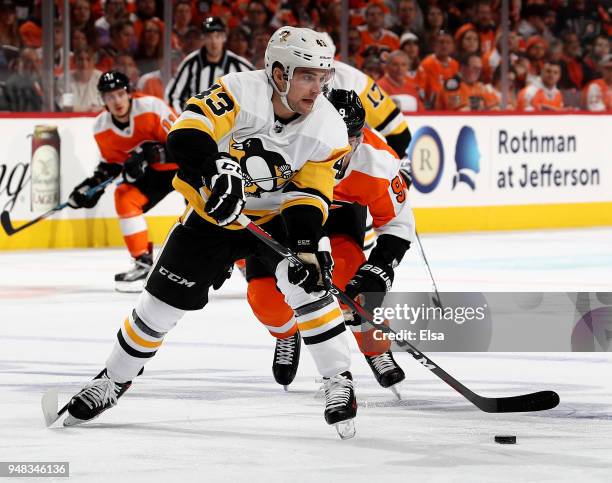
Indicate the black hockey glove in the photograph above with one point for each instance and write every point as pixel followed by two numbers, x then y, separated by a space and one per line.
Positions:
pixel 315 275
pixel 135 166
pixel 79 198
pixel 376 275
pixel 227 190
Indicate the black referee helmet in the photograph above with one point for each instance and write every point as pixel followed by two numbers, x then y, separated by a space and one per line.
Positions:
pixel 213 24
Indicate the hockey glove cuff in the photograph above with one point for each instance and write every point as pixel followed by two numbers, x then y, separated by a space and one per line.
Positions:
pixel 315 273
pixel 227 196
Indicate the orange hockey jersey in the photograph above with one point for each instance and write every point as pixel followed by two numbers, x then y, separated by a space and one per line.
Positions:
pixel 372 179
pixel 150 121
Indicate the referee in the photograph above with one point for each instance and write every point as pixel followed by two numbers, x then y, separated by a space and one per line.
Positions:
pixel 201 67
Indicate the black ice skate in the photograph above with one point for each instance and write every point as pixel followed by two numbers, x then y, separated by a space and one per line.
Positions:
pixel 133 280
pixel 96 397
pixel 386 371
pixel 340 403
pixel 286 359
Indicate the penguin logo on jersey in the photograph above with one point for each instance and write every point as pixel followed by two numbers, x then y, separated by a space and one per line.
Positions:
pixel 262 170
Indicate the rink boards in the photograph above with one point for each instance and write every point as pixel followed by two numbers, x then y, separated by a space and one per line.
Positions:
pixel 471 173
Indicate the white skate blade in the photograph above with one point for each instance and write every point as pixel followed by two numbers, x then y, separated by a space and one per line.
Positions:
pixel 136 286
pixel 49 406
pixel 72 421
pixel 396 392
pixel 346 429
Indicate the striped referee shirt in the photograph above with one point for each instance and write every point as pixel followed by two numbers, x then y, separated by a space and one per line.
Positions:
pixel 196 74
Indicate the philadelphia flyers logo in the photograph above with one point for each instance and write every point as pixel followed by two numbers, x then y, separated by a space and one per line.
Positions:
pixel 262 170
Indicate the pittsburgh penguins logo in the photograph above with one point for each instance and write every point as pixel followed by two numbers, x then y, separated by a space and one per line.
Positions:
pixel 262 170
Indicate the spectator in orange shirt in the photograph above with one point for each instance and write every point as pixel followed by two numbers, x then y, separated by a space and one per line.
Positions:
pixel 485 26
pixel 439 66
pixel 373 33
pixel 546 98
pixel 399 85
pixel 410 46
pixel 598 94
pixel 465 92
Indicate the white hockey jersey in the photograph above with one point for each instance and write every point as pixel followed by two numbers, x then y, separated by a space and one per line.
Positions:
pixel 283 164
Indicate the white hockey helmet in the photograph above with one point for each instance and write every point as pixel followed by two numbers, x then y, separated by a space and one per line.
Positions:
pixel 294 47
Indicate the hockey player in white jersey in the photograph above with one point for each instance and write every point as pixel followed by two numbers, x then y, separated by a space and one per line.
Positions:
pixel 266 144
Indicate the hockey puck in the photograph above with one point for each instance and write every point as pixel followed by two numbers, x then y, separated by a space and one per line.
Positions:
pixel 505 439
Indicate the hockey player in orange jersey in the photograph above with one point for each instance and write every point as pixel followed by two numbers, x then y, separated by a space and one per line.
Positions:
pixel 367 177
pixel 131 135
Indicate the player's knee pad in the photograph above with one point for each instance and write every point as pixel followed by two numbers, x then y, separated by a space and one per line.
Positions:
pixel 129 200
pixel 157 315
pixel 348 257
pixel 269 305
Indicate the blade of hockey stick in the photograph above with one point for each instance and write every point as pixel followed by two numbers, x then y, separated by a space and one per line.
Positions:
pixel 537 401
pixel 5 217
pixel 49 403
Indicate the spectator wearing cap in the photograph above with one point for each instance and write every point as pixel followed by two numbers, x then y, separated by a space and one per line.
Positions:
pixel 598 94
pixel 467 40
pixel 409 44
pixel 201 67
pixel 485 25
pixel 399 85
pixel 575 74
pixel 547 97
pixel 464 91
pixel 439 66
pixel 409 18
pixel 373 32
pixel 536 50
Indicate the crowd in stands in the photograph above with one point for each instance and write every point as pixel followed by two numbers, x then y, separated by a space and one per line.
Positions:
pixel 427 54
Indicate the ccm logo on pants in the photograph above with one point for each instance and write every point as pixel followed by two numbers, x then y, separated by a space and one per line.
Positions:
pixel 175 278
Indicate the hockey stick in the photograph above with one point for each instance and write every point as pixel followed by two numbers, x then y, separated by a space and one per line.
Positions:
pixel 5 217
pixel 436 298
pixel 537 401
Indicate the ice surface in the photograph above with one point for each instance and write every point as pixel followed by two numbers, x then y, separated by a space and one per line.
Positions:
pixel 208 409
